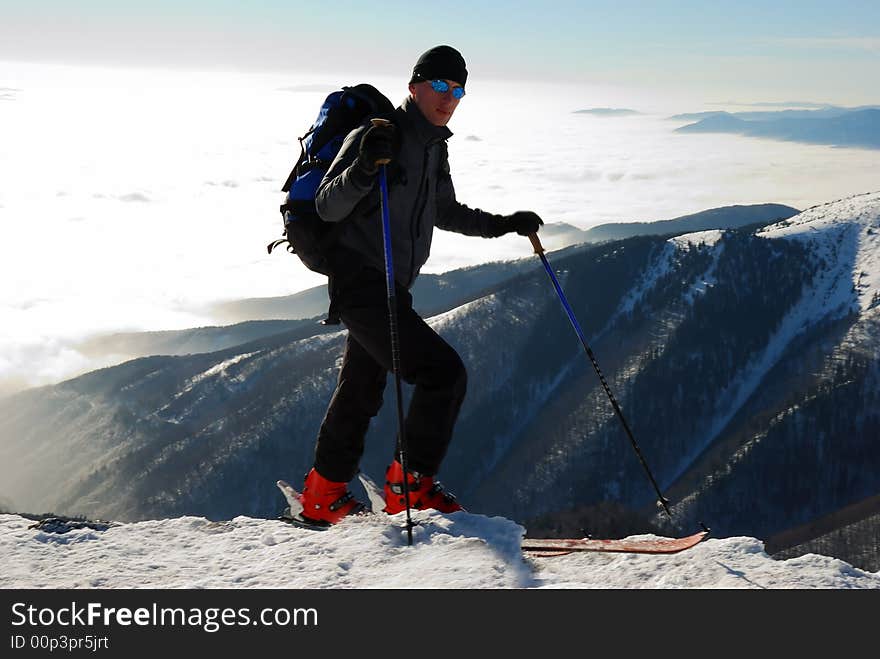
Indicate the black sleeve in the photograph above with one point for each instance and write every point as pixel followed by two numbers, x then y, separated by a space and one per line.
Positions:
pixel 344 184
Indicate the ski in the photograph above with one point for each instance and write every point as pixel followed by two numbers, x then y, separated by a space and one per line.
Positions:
pixel 374 493
pixel 534 547
pixel 294 505
pixel 656 545
pixel 293 513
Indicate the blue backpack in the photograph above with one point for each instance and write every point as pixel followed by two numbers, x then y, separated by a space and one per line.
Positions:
pixel 305 233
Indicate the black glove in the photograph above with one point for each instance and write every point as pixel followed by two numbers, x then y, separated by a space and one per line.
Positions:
pixel 376 144
pixel 523 222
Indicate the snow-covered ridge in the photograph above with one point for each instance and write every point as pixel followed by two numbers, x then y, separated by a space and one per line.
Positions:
pixel 845 236
pixel 218 370
pixel 709 238
pixel 445 320
pixel 664 262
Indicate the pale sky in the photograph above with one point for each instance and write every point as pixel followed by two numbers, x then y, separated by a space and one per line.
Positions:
pixel 749 51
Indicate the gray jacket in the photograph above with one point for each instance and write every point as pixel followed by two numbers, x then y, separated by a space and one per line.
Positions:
pixel 420 197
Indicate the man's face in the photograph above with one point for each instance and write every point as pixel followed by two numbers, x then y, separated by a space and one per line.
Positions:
pixel 436 107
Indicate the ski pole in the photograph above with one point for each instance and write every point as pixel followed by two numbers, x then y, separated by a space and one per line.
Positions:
pixel 392 322
pixel 539 250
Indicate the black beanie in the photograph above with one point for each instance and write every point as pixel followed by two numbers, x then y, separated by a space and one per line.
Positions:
pixel 440 63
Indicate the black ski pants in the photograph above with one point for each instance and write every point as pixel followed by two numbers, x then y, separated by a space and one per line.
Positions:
pixel 426 361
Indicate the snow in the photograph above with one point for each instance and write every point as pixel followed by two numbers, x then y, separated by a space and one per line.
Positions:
pixel 709 238
pixel 456 551
pixel 663 263
pixel 846 234
pixel 660 266
pixel 218 370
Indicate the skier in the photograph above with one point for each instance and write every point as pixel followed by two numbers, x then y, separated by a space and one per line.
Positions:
pixel 421 196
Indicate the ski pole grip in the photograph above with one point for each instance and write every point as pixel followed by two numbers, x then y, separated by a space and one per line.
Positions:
pixel 381 122
pixel 536 243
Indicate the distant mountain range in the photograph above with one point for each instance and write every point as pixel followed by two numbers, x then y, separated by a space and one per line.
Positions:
pixel 820 112
pixel 189 341
pixel 726 217
pixel 851 127
pixel 436 293
pixel 608 112
pixel 747 363
pixel 432 294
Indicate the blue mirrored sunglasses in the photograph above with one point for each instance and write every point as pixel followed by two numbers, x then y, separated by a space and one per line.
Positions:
pixel 441 87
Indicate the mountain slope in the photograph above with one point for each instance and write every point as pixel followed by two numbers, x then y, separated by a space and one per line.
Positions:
pixel 852 532
pixel 809 433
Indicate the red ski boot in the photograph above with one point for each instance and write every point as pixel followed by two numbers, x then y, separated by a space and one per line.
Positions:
pixel 424 492
pixel 327 502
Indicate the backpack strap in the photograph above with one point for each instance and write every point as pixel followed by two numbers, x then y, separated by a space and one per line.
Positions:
pixel 280 241
pixel 299 161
